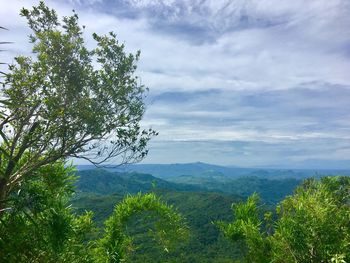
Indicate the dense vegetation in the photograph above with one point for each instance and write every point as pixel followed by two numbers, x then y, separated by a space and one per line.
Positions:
pixel 42 227
pixel 200 209
pixel 311 226
pixel 103 182
pixel 200 206
pixel 98 190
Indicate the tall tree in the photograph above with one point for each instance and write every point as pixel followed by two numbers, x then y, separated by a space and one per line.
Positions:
pixel 69 101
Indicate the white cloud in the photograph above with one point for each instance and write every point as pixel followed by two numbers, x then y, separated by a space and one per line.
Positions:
pixel 239 48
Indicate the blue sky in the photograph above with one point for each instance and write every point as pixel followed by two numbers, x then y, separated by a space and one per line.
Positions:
pixel 240 82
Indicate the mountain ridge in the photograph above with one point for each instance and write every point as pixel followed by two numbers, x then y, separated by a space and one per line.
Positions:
pixel 200 169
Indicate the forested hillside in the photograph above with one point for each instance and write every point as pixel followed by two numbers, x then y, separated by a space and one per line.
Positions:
pixel 202 202
pixel 271 191
pixel 100 190
pixel 106 182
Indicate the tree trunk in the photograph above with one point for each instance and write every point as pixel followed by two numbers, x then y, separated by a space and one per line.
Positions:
pixel 3 196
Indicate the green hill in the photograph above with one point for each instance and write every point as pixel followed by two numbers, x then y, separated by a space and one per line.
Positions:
pixel 100 190
pixel 202 199
pixel 105 182
pixel 270 190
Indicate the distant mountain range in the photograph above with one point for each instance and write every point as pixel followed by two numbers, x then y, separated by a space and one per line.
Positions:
pixel 271 190
pixel 167 171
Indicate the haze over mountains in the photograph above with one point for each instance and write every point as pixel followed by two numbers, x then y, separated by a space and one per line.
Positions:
pixel 271 184
pixel 166 171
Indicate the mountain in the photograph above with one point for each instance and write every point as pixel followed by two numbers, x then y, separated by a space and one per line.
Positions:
pixel 171 170
pixel 166 171
pixel 100 181
pixel 271 191
pixel 204 170
pixel 103 182
pixel 202 198
pixel 99 190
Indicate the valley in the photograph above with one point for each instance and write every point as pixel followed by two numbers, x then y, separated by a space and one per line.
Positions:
pixel 202 193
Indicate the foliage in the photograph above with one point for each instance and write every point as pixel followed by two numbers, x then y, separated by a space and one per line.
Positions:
pixel 200 209
pixel 311 226
pixel 69 101
pixel 114 245
pixel 41 226
pixel 100 189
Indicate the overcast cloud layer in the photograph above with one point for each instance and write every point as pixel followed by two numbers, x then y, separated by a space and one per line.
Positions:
pixel 240 82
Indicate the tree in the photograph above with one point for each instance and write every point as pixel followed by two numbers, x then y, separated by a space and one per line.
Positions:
pixel 311 226
pixel 69 101
pixel 115 245
pixel 42 227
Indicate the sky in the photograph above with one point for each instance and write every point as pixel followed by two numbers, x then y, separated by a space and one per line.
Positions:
pixel 248 83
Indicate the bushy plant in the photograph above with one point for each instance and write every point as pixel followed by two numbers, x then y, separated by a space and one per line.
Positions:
pixel 311 226
pixel 40 225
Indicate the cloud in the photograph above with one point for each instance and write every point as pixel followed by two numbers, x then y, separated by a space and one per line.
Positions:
pixel 276 126
pixel 299 154
pixel 266 81
pixel 290 113
pixel 208 18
